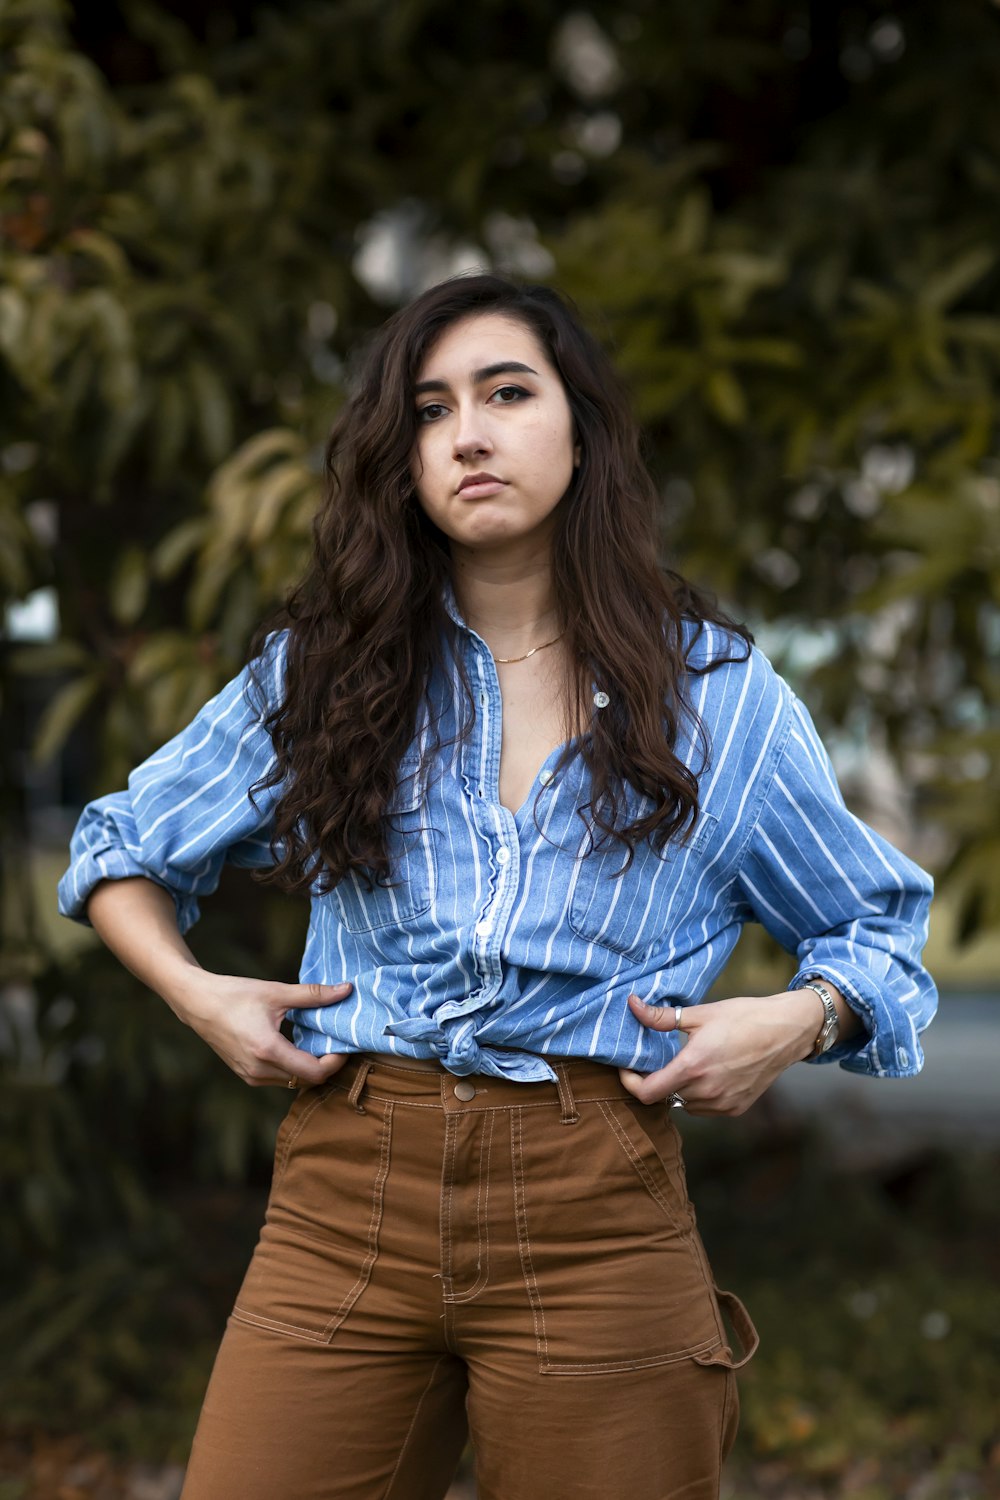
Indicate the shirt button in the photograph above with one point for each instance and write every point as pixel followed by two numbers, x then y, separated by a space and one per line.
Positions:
pixel 545 777
pixel 503 854
pixel 465 1090
pixel 601 700
pixel 903 1057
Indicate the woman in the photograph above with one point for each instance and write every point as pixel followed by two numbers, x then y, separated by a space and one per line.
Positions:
pixel 534 785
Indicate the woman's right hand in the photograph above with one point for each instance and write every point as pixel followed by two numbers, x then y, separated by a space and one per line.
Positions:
pixel 240 1019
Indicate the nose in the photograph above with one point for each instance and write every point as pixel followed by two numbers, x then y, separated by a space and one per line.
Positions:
pixel 471 439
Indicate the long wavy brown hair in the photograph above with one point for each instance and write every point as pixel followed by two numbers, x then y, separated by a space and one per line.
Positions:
pixel 366 624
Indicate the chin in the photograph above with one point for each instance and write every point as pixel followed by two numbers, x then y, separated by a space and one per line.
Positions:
pixel 483 527
pixel 494 533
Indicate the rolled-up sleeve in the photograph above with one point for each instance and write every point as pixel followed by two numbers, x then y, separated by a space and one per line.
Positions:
pixel 850 906
pixel 187 809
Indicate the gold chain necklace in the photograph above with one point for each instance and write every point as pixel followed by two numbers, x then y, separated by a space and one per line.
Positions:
pixel 505 661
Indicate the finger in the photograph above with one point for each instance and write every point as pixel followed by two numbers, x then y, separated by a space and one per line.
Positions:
pixel 651 1088
pixel 304 1078
pixel 291 1062
pixel 655 1017
pixel 313 996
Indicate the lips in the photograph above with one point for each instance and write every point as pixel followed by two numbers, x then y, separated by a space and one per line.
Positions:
pixel 480 484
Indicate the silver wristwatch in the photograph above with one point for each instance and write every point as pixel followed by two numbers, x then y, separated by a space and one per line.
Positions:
pixel 830 1029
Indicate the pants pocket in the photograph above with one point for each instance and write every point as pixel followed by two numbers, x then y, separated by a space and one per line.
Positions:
pixel 320 1237
pixel 612 1262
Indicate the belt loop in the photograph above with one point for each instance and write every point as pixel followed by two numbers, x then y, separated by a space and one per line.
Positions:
pixel 361 1078
pixel 570 1113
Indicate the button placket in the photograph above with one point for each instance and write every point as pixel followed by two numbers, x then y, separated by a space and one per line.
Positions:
pixel 496 825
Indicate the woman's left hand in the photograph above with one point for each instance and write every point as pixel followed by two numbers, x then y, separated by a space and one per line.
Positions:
pixel 734 1051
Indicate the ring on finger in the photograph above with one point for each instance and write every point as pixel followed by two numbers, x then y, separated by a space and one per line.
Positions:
pixel 676 1102
pixel 292 1083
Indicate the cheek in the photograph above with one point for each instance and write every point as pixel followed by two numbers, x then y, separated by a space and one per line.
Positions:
pixel 425 474
pixel 556 449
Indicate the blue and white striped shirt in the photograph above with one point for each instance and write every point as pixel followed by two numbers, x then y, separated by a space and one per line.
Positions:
pixel 500 946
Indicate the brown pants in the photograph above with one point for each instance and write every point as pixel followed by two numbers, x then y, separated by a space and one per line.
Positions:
pixel 447 1255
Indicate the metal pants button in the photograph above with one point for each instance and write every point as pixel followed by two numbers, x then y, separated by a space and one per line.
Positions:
pixel 465 1090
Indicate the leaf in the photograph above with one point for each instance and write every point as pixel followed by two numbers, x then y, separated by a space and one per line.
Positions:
pixel 170 555
pixel 280 485
pixel 777 352
pixel 129 587
pixel 208 587
pixel 101 248
pixel 272 443
pixel 158 655
pixel 13 319
pixel 117 439
pixel 801 437
pixel 60 715
pixel 170 426
pixel 948 286
pixel 972 328
pixel 212 410
pixel 691 225
pixel 46 657
pixel 726 398
pixel 874 299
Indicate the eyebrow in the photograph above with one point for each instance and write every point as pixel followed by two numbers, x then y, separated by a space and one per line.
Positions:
pixel 506 367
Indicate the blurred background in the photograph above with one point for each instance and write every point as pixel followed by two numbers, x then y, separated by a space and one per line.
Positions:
pixel 783 220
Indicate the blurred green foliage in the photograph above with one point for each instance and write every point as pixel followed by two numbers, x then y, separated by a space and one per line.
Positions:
pixel 782 218
pixel 876 1373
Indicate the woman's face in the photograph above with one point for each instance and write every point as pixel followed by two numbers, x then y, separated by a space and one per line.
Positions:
pixel 494 453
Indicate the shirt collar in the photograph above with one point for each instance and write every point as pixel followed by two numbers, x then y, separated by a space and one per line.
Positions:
pixel 451 604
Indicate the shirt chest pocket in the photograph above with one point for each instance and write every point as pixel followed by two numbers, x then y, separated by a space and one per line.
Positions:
pixel 632 912
pixel 410 844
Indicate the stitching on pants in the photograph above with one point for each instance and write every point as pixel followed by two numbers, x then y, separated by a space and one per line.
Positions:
pixel 293 1135
pixel 570 1112
pixel 447 1191
pixel 640 1166
pixel 482 1213
pixel 292 1330
pixel 725 1412
pixel 381 1062
pixel 594 1367
pixel 444 1222
pixel 354 1092
pixel 470 1109
pixel 693 1238
pixel 413 1422
pixel 547 1365
pixel 523 1240
pixel 391 1099
pixel 324 1335
pixel 374 1224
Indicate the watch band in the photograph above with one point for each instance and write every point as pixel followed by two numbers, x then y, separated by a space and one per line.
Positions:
pixel 830 1029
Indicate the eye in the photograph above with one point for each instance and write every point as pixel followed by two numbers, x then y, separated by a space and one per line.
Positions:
pixel 424 413
pixel 510 394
